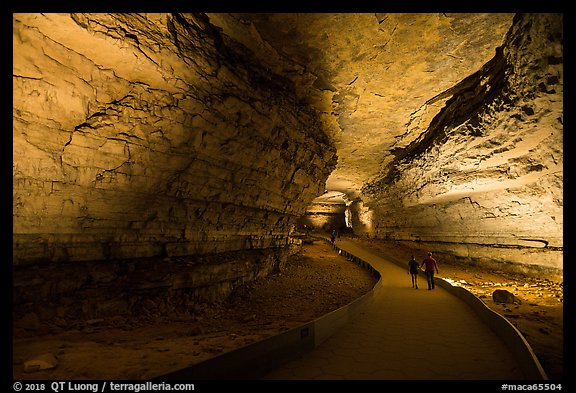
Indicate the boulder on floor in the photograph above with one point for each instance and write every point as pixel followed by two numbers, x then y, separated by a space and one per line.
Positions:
pixel 504 296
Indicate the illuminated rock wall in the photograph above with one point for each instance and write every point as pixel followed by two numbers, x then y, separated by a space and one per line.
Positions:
pixel 485 182
pixel 325 216
pixel 147 135
pixel 153 135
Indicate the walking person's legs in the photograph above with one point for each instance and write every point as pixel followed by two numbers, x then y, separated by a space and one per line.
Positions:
pixel 429 278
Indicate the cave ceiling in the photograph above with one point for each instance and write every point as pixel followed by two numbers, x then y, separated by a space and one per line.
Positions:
pixel 376 79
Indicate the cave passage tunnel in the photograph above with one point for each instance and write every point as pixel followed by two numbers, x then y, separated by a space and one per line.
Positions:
pixel 142 139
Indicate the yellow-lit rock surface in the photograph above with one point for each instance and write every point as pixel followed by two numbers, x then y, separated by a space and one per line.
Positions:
pixel 146 135
pixel 176 135
pixel 448 127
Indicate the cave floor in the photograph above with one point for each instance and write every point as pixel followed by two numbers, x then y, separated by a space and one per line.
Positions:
pixel 537 313
pixel 312 283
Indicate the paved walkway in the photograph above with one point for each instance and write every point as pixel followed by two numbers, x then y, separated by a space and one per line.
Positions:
pixel 406 334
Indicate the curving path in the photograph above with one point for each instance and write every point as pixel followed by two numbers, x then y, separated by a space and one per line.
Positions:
pixel 406 334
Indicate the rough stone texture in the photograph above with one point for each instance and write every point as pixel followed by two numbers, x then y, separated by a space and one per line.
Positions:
pixel 172 135
pixel 485 180
pixel 87 290
pixel 378 79
pixel 448 126
pixel 145 135
pixel 503 296
pixel 43 362
pixel 326 212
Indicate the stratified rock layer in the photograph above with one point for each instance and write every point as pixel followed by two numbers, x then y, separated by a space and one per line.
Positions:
pixel 139 136
pixel 448 126
pixel 485 180
pixel 372 76
pixel 150 136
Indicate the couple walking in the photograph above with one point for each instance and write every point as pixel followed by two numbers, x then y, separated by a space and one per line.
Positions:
pixel 431 266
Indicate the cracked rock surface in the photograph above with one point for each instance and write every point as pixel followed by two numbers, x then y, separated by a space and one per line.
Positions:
pixel 139 135
pixel 153 135
pixel 448 127
pixel 173 154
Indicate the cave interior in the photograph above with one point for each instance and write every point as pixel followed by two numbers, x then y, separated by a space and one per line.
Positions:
pixel 143 139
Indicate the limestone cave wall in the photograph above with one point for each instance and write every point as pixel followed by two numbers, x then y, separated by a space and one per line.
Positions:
pixel 147 135
pixel 200 140
pixel 485 181
pixel 323 217
pixel 155 162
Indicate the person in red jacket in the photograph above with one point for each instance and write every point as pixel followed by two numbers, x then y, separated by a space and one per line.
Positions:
pixel 431 266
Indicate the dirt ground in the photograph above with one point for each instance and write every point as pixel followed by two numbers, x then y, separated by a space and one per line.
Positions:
pixel 313 282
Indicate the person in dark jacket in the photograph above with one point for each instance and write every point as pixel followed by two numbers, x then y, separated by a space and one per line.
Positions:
pixel 413 271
